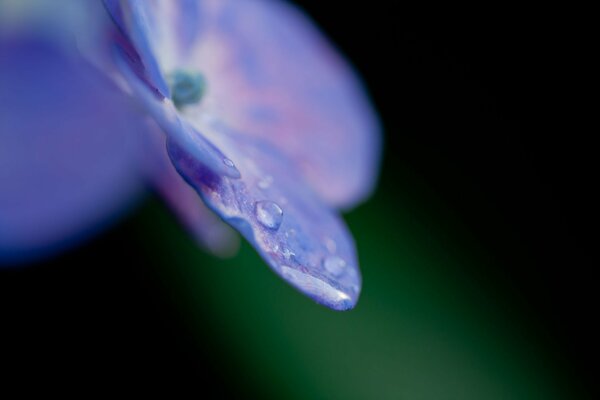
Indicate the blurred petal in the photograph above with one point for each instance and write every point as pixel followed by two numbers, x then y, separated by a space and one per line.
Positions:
pixel 273 76
pixel 67 149
pixel 156 28
pixel 208 229
pixel 299 236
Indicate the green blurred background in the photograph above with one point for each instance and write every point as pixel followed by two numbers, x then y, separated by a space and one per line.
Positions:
pixel 475 253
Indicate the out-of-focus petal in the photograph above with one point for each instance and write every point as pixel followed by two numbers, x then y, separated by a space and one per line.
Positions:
pixel 208 229
pixel 68 159
pixel 159 32
pixel 271 75
pixel 297 234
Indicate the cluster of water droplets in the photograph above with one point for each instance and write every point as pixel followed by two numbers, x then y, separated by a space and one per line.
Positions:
pixel 270 215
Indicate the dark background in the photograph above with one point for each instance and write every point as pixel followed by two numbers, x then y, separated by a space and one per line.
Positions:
pixel 486 155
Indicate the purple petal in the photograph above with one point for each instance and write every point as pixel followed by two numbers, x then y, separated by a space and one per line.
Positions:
pixel 153 28
pixel 271 75
pixel 67 149
pixel 178 130
pixel 295 121
pixel 299 236
pixel 208 229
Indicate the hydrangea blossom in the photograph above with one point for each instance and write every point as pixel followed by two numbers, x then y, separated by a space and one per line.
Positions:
pixel 235 108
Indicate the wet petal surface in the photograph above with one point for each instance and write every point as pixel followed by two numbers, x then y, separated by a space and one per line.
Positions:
pixel 273 130
pixel 271 205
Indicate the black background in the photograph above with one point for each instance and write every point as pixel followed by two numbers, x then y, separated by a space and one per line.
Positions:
pixel 487 106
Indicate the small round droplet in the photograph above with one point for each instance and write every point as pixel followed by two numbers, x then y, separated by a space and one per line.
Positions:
pixel 228 162
pixel 290 233
pixel 331 245
pixel 334 265
pixel 287 253
pixel 265 182
pixel 268 214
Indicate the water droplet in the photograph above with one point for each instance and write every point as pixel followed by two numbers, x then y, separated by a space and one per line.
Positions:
pixel 331 245
pixel 265 182
pixel 268 214
pixel 287 253
pixel 290 233
pixel 228 162
pixel 334 265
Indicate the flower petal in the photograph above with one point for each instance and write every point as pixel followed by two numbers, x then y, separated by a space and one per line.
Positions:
pixel 295 121
pixel 167 117
pixel 271 75
pixel 299 236
pixel 67 158
pixel 267 200
pixel 153 28
pixel 208 229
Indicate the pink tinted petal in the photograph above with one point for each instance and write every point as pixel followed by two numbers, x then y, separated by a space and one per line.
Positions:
pixel 297 234
pixel 208 229
pixel 272 76
pixel 168 119
pixel 67 154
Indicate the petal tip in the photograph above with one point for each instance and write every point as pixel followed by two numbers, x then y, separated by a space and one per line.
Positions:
pixel 319 290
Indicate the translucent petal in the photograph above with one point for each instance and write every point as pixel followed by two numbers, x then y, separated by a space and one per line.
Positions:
pixel 208 229
pixel 298 235
pixel 68 154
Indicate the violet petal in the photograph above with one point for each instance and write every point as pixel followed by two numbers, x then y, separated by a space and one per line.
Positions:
pixel 177 129
pixel 271 75
pixel 298 235
pixel 207 229
pixel 67 158
pixel 159 31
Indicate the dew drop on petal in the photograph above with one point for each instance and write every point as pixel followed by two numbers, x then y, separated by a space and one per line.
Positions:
pixel 290 233
pixel 228 163
pixel 265 182
pixel 334 265
pixel 287 253
pixel 268 214
pixel 331 245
